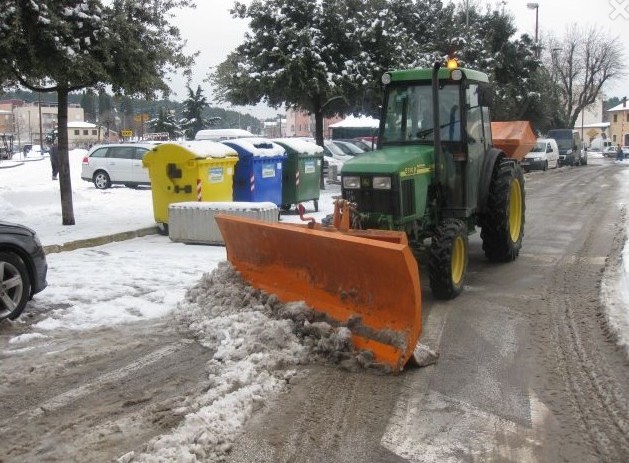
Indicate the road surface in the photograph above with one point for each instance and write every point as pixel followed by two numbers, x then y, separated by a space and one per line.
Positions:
pixel 527 370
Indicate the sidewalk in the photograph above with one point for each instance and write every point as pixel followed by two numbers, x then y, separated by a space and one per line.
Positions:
pixel 28 196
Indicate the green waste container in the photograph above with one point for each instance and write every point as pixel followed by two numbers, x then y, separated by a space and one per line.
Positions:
pixel 302 172
pixel 190 171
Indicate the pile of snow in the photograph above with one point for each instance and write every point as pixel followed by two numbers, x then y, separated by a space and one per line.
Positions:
pixel 257 342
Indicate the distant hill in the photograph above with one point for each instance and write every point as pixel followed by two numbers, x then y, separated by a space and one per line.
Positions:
pixel 228 118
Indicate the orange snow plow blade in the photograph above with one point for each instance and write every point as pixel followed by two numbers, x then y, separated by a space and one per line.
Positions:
pixel 367 280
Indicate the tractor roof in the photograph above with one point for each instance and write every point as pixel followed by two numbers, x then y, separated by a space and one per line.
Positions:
pixel 426 74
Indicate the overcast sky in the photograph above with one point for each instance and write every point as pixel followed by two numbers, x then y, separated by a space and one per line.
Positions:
pixel 212 30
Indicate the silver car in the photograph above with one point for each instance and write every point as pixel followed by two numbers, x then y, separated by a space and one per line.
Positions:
pixel 116 163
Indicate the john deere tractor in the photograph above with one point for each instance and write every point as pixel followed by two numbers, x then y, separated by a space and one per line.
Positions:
pixel 438 185
pixel 435 177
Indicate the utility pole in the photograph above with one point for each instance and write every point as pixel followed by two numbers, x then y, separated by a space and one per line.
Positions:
pixel 535 6
pixel 41 135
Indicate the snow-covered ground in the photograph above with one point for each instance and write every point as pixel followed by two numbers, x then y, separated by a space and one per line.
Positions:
pixel 255 338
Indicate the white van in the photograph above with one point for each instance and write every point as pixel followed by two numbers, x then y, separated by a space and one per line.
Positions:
pixel 599 144
pixel 544 155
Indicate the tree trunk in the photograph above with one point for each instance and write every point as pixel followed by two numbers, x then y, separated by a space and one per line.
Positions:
pixel 65 183
pixel 319 139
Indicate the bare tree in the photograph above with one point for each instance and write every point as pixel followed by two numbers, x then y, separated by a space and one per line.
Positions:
pixel 583 61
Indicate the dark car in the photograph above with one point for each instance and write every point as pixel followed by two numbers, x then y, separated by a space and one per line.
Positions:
pixel 23 268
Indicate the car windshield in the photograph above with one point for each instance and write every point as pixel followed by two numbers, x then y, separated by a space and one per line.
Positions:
pixel 563 138
pixel 539 148
pixel 409 114
pixel 334 149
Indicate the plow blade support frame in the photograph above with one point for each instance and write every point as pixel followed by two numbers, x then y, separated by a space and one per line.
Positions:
pixel 368 274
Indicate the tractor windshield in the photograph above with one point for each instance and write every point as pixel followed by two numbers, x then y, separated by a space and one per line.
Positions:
pixel 409 118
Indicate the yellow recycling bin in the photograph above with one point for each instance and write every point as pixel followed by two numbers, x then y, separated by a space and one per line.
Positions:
pixel 190 171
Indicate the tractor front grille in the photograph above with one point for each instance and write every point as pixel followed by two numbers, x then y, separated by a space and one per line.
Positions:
pixel 370 200
pixel 408 197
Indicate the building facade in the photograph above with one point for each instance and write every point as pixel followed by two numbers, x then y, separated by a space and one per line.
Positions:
pixel 619 124
pixel 30 122
pixel 302 124
pixel 85 134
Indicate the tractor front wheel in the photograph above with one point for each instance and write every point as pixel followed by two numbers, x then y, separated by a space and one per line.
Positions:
pixel 502 225
pixel 448 259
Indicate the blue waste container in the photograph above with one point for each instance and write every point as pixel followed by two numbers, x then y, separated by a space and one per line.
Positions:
pixel 258 173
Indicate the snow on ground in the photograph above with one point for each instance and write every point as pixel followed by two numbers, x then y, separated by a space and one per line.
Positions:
pixel 258 342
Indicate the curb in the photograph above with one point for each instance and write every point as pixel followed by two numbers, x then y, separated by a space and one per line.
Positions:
pixel 10 164
pixel 100 240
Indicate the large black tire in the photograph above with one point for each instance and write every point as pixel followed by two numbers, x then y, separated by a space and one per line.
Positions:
pixel 15 285
pixel 502 225
pixel 447 262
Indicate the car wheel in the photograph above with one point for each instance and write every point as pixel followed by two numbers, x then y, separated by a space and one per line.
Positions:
pixel 545 168
pixel 101 180
pixel 15 285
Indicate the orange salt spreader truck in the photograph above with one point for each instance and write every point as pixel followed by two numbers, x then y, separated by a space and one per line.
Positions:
pixel 422 192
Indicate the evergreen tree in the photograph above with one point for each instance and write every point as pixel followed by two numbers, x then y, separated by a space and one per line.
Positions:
pixel 299 53
pixel 192 117
pixel 88 103
pixel 67 45
pixel 165 122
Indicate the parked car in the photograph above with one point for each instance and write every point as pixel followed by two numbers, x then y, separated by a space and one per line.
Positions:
pixel 333 150
pixel 544 155
pixel 23 268
pixel 362 144
pixel 117 163
pixel 348 148
pixel 612 152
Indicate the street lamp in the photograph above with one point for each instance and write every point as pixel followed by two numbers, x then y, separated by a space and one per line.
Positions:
pixel 535 6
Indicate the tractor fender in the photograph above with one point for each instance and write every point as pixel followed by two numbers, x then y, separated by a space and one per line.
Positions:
pixel 493 155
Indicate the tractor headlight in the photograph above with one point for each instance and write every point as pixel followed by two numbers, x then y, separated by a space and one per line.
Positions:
pixel 351 183
pixel 382 183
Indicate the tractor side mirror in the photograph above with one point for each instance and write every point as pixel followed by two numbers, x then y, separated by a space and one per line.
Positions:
pixel 485 96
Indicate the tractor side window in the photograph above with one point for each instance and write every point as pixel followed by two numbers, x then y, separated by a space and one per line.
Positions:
pixel 450 113
pixel 474 118
pixel 486 126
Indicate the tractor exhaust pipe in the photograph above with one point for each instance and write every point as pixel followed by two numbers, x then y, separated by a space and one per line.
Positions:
pixel 436 122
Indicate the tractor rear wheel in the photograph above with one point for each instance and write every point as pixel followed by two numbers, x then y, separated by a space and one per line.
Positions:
pixel 502 226
pixel 448 258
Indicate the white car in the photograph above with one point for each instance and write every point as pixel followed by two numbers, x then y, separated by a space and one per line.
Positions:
pixel 116 163
pixel 544 155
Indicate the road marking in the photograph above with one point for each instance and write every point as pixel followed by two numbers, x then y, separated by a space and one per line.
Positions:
pixel 433 428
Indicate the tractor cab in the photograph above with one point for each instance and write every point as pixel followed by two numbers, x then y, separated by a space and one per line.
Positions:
pixel 459 109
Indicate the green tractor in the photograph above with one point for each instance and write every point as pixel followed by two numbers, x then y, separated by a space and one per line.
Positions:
pixel 439 185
